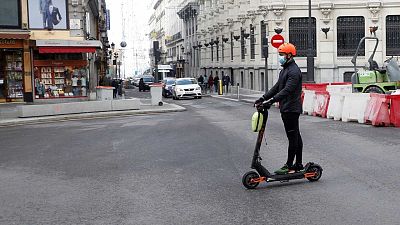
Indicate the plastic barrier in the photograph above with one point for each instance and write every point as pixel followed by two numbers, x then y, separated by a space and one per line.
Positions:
pixel 395 110
pixel 339 88
pixel 156 94
pixel 335 107
pixel 354 107
pixel 308 103
pixel 321 103
pixel 340 83
pixel 377 112
pixel 315 87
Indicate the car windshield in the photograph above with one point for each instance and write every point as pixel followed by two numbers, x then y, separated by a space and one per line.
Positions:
pixel 169 82
pixel 186 81
pixel 148 79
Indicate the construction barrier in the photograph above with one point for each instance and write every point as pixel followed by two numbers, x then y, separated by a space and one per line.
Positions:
pixel 395 110
pixel 354 107
pixel 377 112
pixel 315 87
pixel 308 103
pixel 335 107
pixel 339 88
pixel 321 103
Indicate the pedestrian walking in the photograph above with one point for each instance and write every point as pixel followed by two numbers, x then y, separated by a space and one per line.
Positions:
pixel 120 85
pixel 114 84
pixel 200 80
pixel 216 83
pixel 205 83
pixel 210 83
pixel 227 81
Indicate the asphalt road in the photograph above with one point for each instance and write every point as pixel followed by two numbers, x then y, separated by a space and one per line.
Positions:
pixel 186 168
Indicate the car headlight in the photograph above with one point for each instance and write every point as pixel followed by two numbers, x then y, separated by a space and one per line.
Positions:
pixel 181 90
pixel 198 88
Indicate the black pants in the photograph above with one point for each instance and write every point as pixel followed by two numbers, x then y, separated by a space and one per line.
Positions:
pixel 295 149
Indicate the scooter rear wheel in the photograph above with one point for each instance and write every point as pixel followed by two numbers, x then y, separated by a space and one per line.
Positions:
pixel 247 177
pixel 318 173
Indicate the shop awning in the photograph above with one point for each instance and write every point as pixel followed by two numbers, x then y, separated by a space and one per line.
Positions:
pixel 14 35
pixel 66 50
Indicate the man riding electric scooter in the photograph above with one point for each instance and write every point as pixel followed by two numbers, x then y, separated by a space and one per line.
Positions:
pixel 287 91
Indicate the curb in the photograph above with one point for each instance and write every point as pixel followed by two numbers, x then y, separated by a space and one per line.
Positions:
pixel 85 116
pixel 233 99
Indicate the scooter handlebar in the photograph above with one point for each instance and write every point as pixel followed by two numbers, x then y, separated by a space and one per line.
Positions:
pixel 264 105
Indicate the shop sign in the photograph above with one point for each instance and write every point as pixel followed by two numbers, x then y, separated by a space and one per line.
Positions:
pixel 68 43
pixel 10 43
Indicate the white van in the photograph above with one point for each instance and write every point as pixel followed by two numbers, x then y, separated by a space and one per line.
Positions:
pixel 165 71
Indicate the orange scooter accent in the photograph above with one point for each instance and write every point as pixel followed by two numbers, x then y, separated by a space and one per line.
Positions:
pixel 258 180
pixel 312 174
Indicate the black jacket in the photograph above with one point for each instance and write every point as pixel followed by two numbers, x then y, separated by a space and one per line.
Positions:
pixel 287 91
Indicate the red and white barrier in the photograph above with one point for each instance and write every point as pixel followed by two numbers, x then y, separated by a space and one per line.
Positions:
pixel 339 88
pixel 395 110
pixel 377 112
pixel 336 101
pixel 354 107
pixel 335 107
pixel 308 102
pixel 321 103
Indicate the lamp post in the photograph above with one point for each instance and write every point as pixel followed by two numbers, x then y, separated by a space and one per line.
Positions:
pixel 123 46
pixel 310 58
pixel 265 50
pixel 116 64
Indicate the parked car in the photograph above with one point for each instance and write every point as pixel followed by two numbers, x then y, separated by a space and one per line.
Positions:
pixel 186 87
pixel 136 79
pixel 167 87
pixel 147 80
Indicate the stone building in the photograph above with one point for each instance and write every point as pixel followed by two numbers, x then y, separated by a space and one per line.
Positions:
pixel 52 50
pixel 230 36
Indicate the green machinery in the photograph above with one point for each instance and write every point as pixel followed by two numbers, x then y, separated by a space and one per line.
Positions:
pixel 374 79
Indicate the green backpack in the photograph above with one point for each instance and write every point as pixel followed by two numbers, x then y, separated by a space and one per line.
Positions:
pixel 257 121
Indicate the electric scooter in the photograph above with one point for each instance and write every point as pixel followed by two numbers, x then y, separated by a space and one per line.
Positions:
pixel 252 179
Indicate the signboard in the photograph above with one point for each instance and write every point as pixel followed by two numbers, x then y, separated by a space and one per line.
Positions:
pixel 68 43
pixel 47 14
pixel 11 43
pixel 108 23
pixel 277 40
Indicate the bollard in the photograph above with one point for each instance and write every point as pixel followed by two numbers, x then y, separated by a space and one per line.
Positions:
pixel 219 87
pixel 238 95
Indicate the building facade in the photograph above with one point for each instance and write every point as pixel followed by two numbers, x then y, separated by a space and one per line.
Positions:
pixel 53 49
pixel 230 35
pixel 188 14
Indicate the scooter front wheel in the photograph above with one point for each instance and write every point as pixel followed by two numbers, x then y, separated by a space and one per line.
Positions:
pixel 318 173
pixel 247 180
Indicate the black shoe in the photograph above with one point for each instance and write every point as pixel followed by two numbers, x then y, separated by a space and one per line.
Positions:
pixel 298 167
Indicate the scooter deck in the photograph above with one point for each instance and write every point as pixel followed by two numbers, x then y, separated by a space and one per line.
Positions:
pixel 285 177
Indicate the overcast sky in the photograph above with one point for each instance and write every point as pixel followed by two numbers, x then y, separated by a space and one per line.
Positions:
pixel 129 20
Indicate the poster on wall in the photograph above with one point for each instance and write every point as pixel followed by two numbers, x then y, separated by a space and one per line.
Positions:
pixel 47 14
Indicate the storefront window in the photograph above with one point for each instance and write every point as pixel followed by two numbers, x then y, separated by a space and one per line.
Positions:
pixel 9 14
pixel 60 78
pixel 11 71
pixel 60 81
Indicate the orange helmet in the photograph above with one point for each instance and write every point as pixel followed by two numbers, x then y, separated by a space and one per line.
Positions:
pixel 287 48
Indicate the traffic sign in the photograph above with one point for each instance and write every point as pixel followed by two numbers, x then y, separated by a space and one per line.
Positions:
pixel 277 40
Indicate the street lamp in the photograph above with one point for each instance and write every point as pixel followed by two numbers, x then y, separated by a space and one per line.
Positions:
pixel 116 64
pixel 310 58
pixel 113 46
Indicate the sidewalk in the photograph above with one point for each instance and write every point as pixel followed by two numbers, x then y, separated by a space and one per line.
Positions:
pixel 9 113
pixel 245 95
